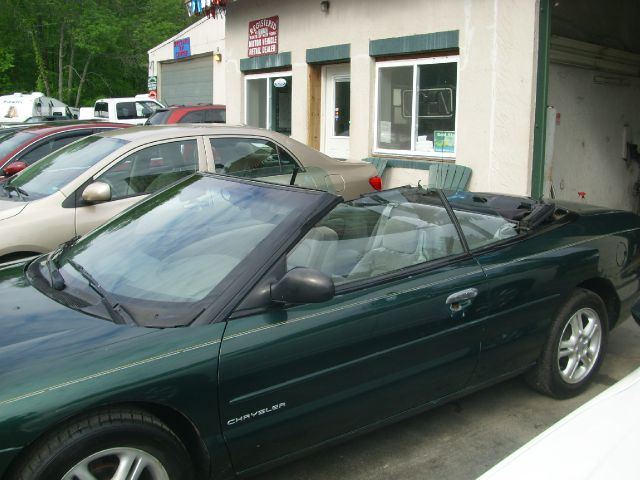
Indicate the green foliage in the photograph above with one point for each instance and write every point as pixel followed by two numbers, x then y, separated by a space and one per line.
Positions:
pixel 102 45
pixel 6 62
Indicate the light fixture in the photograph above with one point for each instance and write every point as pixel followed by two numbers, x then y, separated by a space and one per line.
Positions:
pixel 324 6
pixel 217 56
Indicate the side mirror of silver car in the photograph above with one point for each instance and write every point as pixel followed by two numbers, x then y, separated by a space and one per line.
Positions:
pixel 97 192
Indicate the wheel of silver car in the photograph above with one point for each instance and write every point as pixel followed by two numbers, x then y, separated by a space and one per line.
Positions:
pixel 112 444
pixel 118 463
pixel 575 348
pixel 579 346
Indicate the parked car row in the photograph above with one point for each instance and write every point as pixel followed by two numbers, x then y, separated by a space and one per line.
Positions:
pixel 217 300
pixel 35 108
pixel 82 185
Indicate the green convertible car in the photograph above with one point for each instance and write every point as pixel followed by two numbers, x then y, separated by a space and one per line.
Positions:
pixel 225 325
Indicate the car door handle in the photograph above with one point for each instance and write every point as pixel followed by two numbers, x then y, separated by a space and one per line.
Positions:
pixel 462 299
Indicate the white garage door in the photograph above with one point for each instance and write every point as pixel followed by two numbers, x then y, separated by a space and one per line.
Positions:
pixel 187 82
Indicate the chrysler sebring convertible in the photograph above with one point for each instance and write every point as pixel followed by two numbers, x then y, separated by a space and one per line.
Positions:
pixel 225 325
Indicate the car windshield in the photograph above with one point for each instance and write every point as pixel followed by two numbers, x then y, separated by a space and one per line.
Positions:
pixel 161 260
pixel 159 117
pixel 12 139
pixel 54 171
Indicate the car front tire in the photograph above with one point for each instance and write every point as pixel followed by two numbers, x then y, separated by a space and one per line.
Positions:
pixel 575 349
pixel 111 444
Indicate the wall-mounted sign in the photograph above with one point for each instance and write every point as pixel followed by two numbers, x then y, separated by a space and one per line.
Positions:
pixel 152 83
pixel 182 48
pixel 263 37
pixel 280 82
pixel 444 141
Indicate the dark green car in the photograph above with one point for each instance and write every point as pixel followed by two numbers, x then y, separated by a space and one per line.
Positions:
pixel 226 325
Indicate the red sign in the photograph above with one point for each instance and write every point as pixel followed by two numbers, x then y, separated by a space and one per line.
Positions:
pixel 263 37
pixel 153 94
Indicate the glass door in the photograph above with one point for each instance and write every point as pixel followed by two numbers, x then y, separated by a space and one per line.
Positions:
pixel 268 101
pixel 336 111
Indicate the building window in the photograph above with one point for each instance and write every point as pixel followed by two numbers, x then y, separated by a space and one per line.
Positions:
pixel 268 101
pixel 416 107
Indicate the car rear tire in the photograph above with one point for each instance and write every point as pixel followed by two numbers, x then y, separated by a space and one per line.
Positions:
pixel 575 349
pixel 128 441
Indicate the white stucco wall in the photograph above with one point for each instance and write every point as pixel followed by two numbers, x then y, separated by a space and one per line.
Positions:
pixel 496 84
pixel 206 37
pixel 587 144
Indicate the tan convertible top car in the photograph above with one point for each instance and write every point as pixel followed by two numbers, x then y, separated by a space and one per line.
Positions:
pixel 82 185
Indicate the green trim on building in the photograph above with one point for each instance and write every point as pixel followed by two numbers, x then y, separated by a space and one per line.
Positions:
pixel 542 91
pixel 265 62
pixel 332 53
pixel 428 42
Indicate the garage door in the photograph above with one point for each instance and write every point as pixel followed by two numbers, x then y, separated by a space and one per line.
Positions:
pixel 187 82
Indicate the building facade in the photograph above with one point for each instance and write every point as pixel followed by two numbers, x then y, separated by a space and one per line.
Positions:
pixel 188 68
pixel 533 97
pixel 412 82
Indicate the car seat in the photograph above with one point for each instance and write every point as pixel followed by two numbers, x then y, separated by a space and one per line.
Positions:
pixel 400 244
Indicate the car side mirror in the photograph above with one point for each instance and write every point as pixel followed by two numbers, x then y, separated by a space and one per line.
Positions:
pixel 13 168
pixel 97 192
pixel 303 285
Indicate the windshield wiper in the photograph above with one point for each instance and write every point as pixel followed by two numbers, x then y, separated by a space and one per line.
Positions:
pixel 55 278
pixel 115 309
pixel 21 193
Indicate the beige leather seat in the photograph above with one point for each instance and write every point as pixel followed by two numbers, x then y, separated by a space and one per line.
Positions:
pixel 317 250
pixel 400 244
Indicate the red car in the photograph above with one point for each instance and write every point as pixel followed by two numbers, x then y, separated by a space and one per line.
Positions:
pixel 20 147
pixel 203 113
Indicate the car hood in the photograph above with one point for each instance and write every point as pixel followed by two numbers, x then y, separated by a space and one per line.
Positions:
pixel 10 208
pixel 36 331
pixel 612 418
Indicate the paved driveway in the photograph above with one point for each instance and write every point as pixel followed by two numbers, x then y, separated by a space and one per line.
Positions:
pixel 465 438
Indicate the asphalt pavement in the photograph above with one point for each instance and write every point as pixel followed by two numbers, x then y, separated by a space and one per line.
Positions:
pixel 463 439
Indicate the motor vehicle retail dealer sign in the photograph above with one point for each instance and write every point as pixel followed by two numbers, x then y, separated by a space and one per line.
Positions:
pixel 182 48
pixel 263 37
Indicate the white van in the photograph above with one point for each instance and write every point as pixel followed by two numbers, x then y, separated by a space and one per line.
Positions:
pixel 18 107
pixel 132 110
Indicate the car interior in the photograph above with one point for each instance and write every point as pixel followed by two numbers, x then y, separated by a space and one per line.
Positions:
pixel 152 168
pixel 357 241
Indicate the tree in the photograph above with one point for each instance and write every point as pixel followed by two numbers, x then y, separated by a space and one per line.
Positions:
pixel 6 62
pixel 79 50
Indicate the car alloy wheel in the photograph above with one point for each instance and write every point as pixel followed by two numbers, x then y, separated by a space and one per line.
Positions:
pixel 579 345
pixel 575 347
pixel 121 463
pixel 113 443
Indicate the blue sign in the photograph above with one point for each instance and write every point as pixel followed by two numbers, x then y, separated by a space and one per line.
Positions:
pixel 182 48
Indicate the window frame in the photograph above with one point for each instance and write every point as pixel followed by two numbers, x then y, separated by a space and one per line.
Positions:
pixel 202 163
pixel 74 134
pixel 257 76
pixel 419 268
pixel 279 148
pixel 185 117
pixel 415 63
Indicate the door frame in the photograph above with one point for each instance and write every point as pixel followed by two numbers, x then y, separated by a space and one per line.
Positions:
pixel 328 80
